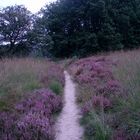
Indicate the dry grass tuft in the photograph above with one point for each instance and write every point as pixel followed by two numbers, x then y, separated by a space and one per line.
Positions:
pixel 120 120
pixel 19 76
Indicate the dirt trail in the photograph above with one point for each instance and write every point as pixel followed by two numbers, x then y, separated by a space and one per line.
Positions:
pixel 67 127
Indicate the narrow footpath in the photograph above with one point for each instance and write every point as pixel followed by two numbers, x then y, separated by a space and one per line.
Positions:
pixel 67 126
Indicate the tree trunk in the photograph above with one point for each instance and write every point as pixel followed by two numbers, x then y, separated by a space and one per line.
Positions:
pixel 12 46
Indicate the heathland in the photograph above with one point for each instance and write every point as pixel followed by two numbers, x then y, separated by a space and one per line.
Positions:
pixel 96 43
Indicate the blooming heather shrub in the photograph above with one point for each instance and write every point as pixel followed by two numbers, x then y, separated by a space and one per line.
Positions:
pixel 119 135
pixel 100 101
pixel 122 135
pixel 93 71
pixel 32 117
pixel 118 81
pixel 87 107
pixel 113 86
pixel 110 88
pixel 97 102
pixel 19 76
pixel 53 73
pixel 96 75
pixel 7 125
pixel 35 126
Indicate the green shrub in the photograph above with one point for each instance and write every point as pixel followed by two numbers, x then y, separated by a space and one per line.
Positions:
pixel 56 87
pixel 95 127
pixel 3 105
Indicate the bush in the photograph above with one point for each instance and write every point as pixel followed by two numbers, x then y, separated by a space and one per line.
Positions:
pixel 56 87
pixel 95 128
pixel 31 118
pixel 114 102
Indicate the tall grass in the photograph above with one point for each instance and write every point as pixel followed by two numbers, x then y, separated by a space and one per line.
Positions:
pixel 128 70
pixel 22 75
pixel 29 100
pixel 128 73
pixel 19 76
pixel 114 78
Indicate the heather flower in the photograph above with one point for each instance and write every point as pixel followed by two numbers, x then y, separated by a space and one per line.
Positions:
pixel 89 69
pixel 119 135
pixel 87 107
pixel 103 91
pixel 95 103
pixel 100 101
pixel 35 125
pixel 54 72
pixel 113 86
pixel 31 118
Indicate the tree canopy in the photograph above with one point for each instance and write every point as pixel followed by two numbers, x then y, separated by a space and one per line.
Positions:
pixel 69 28
pixel 83 27
pixel 15 22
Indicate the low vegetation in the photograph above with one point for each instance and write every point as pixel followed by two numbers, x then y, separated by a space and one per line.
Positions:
pixel 31 88
pixel 109 95
pixel 30 98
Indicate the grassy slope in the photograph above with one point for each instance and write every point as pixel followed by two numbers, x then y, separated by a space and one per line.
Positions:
pixel 128 69
pixel 128 73
pixel 30 98
pixel 20 76
pixel 125 114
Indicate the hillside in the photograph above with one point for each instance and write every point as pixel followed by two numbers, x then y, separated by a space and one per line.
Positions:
pixel 30 98
pixel 109 95
pixel 70 71
pixel 101 98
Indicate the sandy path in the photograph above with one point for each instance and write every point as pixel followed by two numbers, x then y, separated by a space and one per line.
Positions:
pixel 67 127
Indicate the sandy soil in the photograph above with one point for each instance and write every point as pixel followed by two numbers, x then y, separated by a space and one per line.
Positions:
pixel 67 126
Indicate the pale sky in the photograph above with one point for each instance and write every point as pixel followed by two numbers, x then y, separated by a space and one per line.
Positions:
pixel 32 5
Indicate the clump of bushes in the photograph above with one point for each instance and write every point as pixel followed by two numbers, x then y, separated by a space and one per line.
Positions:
pixel 54 73
pixel 104 96
pixel 30 98
pixel 97 102
pixel 32 117
pixel 56 87
pixel 95 128
pixel 96 74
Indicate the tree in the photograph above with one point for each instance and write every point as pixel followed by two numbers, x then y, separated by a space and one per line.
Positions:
pixel 39 39
pixel 15 22
pixel 108 39
pixel 84 27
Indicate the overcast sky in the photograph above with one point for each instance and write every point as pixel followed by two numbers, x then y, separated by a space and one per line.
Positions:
pixel 32 5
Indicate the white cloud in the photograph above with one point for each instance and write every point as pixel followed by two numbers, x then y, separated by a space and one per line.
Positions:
pixel 32 5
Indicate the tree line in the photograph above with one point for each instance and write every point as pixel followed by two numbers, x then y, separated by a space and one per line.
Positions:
pixel 68 28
